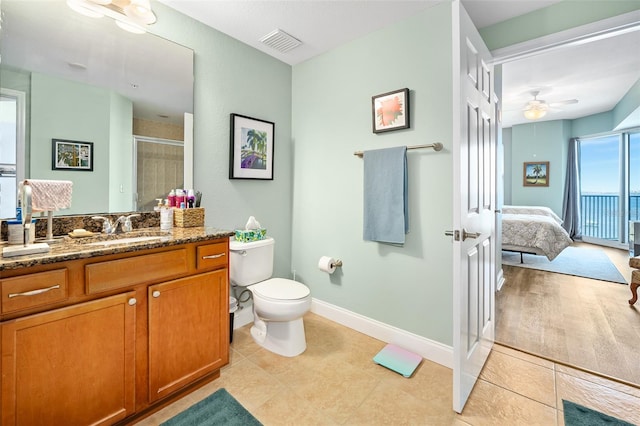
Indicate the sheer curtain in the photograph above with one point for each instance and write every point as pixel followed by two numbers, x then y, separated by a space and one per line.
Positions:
pixel 571 201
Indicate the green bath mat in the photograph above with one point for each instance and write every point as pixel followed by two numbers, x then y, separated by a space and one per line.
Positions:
pixel 577 415
pixel 218 409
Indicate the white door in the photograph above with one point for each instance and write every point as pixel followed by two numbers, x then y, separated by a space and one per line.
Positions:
pixel 474 198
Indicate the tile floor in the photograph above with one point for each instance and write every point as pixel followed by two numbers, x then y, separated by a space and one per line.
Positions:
pixel 335 382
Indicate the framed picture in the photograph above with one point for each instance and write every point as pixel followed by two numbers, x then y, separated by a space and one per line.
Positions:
pixel 536 173
pixel 251 153
pixel 390 111
pixel 71 155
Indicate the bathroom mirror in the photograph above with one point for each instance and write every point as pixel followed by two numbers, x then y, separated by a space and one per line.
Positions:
pixel 87 80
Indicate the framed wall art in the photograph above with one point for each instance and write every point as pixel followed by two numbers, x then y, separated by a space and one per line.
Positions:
pixel 251 152
pixel 390 111
pixel 536 173
pixel 71 155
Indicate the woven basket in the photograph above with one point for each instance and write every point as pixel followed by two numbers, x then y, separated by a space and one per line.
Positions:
pixel 188 218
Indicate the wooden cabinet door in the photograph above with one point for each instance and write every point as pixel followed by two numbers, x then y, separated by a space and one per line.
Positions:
pixel 188 330
pixel 70 366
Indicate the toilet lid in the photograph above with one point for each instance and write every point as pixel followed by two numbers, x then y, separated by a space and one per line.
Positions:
pixel 281 289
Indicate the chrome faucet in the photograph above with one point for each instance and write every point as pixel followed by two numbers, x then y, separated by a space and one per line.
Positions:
pixel 111 228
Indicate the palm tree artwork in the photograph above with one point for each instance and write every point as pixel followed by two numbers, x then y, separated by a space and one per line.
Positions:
pixel 253 151
pixel 536 174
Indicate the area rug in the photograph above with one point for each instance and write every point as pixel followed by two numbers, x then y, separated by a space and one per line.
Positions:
pixel 577 415
pixel 580 262
pixel 219 408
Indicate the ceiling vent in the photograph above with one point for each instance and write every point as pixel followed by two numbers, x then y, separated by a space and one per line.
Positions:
pixel 281 41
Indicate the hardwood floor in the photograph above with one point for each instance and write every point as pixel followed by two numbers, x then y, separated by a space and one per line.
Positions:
pixel 577 321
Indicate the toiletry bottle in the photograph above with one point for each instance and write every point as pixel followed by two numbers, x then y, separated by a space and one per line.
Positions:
pixel 179 197
pixel 172 198
pixel 159 206
pixel 166 219
pixel 191 199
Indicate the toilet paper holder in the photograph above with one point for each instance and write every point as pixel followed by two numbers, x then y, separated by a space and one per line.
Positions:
pixel 337 263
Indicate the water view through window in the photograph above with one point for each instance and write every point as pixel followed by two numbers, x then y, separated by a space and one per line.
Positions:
pixel 609 186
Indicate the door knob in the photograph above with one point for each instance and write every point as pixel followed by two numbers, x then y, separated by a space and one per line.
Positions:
pixel 156 293
pixel 466 234
pixel 132 301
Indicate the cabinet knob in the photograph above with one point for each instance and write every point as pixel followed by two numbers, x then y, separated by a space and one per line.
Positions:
pixel 132 301
pixel 156 293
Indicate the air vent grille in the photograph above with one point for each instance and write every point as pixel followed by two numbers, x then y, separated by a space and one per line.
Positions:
pixel 281 41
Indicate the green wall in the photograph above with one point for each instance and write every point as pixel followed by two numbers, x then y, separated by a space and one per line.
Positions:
pixel 407 287
pixel 80 113
pixel 231 77
pixel 120 154
pixel 543 141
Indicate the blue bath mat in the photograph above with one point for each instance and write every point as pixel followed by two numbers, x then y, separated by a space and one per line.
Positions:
pixel 577 415
pixel 218 409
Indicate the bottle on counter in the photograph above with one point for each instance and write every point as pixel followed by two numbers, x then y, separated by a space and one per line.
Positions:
pixel 191 199
pixel 172 198
pixel 166 218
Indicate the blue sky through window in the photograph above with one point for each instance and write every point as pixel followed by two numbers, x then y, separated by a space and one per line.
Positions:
pixel 599 165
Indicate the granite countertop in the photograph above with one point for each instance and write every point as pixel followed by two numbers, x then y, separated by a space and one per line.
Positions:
pixel 67 248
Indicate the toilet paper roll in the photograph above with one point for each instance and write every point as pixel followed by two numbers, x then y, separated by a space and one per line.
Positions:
pixel 327 264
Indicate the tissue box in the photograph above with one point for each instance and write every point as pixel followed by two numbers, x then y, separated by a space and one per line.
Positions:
pixel 188 218
pixel 245 236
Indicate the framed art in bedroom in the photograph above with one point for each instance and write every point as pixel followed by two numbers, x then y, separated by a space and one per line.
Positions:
pixel 535 173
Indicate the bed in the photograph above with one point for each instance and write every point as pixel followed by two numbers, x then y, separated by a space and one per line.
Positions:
pixel 533 229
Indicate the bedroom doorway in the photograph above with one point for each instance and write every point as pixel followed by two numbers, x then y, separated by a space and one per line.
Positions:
pixel 527 304
pixel 609 187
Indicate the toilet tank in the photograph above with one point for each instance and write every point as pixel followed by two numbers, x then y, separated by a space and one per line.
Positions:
pixel 252 262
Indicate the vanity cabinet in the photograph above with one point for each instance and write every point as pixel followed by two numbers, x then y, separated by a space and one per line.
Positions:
pixel 70 366
pixel 109 339
pixel 185 325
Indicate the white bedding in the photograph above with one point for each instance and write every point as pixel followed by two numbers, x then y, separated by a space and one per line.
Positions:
pixel 534 233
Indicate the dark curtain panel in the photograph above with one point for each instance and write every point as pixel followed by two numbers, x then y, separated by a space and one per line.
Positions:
pixel 571 202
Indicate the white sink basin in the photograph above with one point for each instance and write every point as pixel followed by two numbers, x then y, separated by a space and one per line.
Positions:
pixel 125 241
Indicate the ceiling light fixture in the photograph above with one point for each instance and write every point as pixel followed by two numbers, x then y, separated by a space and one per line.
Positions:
pixel 534 113
pixel 536 109
pixel 130 15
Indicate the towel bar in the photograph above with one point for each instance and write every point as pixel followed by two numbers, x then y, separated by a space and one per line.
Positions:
pixel 436 147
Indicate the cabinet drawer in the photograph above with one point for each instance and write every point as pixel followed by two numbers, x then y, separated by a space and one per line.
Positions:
pixel 113 274
pixel 32 290
pixel 212 256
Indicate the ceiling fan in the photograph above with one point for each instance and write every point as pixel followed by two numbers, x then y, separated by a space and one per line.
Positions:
pixel 538 108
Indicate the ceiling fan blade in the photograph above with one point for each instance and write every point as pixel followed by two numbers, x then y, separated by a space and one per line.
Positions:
pixel 565 102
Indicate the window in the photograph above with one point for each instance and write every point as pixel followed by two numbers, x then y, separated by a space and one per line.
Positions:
pixel 609 187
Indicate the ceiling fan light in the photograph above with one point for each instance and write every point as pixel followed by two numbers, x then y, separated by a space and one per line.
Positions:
pixel 535 113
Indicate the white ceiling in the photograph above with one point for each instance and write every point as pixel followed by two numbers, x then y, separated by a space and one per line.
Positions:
pixel 597 75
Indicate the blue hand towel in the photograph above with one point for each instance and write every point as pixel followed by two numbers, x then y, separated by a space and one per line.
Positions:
pixel 386 207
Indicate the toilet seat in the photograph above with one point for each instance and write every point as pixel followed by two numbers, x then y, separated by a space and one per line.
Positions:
pixel 280 289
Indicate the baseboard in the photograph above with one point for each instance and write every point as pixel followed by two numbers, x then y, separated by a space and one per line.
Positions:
pixel 500 280
pixel 428 349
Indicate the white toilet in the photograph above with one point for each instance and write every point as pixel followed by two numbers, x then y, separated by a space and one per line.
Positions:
pixel 278 303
